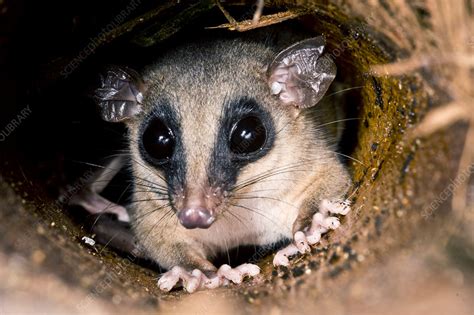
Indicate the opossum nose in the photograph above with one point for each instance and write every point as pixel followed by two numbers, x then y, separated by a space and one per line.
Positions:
pixel 196 217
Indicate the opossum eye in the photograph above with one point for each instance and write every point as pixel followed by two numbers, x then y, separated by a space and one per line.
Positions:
pixel 248 135
pixel 158 141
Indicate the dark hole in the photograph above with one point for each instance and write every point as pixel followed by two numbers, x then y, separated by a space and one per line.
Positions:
pixel 65 137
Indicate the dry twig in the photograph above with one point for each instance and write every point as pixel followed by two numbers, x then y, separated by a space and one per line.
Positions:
pixel 258 20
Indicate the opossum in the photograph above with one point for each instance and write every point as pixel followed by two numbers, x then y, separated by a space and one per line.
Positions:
pixel 229 145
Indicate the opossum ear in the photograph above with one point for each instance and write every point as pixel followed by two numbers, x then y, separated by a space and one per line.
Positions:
pixel 120 94
pixel 300 75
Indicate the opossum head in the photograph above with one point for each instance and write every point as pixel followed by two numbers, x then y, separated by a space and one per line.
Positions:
pixel 209 123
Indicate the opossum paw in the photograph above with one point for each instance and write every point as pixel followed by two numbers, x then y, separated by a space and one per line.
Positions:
pixel 301 244
pixel 341 207
pixel 320 224
pixel 197 280
pixel 282 256
pixel 190 280
pixel 237 274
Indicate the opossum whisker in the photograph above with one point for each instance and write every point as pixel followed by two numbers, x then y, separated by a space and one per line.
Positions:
pixel 256 211
pixel 159 197
pixel 145 189
pixel 130 155
pixel 273 172
pixel 108 242
pixel 223 213
pixel 259 191
pixel 336 121
pixel 226 245
pixel 120 153
pixel 151 183
pixel 110 205
pixel 264 178
pixel 165 215
pixel 316 113
pixel 350 158
pixel 284 167
pixel 95 165
pixel 143 181
pixel 152 171
pixel 264 197
pixel 269 179
pixel 149 199
pixel 152 211
pixel 152 188
pixel 343 90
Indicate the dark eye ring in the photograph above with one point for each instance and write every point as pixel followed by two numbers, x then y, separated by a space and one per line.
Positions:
pixel 158 141
pixel 248 135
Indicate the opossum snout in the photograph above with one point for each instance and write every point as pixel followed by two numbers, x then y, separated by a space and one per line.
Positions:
pixel 196 217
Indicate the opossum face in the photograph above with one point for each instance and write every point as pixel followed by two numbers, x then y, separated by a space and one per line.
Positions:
pixel 215 120
pixel 199 158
